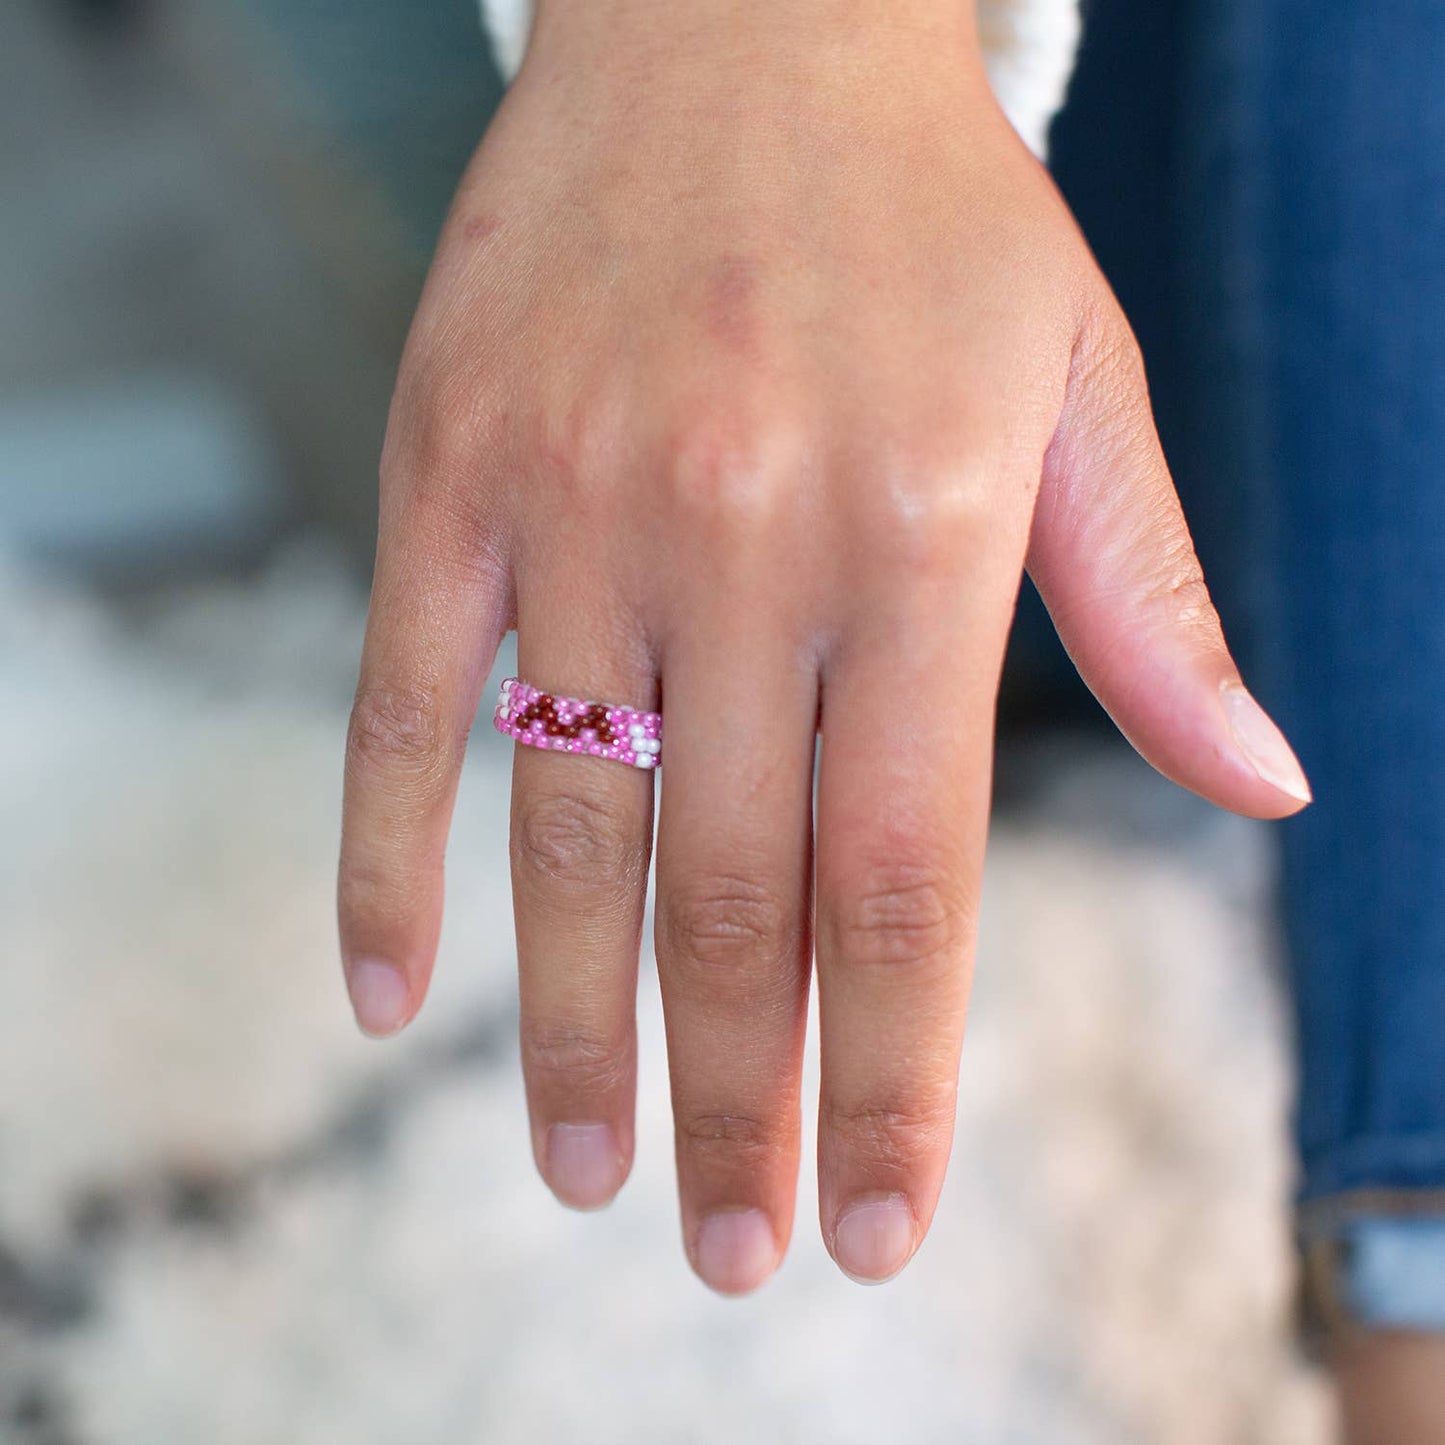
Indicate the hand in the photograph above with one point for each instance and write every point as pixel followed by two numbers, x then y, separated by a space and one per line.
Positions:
pixel 754 365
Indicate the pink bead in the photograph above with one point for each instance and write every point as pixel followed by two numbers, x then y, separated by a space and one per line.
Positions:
pixel 569 710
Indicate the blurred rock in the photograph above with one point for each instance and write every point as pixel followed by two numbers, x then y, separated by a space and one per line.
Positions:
pixel 136 473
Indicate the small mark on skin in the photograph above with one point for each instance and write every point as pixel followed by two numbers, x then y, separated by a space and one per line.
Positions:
pixel 477 227
pixel 465 237
pixel 730 304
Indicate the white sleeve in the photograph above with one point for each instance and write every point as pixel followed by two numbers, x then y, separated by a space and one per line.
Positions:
pixel 1029 46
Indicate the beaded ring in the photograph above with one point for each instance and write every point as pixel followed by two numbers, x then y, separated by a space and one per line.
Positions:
pixel 578 725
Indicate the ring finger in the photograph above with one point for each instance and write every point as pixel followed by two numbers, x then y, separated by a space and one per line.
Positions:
pixel 581 836
pixel 903 798
pixel 734 869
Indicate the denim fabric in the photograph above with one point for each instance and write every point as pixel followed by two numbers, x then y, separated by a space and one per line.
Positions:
pixel 1318 190
pixel 1294 300
pixel 1391 1273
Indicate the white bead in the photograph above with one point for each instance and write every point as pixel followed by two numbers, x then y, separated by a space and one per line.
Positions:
pixel 643 760
pixel 636 730
pixel 651 745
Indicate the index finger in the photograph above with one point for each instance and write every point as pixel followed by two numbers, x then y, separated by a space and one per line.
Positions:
pixel 439 609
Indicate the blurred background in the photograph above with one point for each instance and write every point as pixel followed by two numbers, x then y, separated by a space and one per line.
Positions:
pixel 224 1216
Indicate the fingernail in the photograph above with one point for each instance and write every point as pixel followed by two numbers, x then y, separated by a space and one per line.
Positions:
pixel 379 996
pixel 1263 743
pixel 583 1164
pixel 873 1238
pixel 736 1250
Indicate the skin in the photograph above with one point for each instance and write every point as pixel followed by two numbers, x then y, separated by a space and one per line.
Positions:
pixel 757 360
pixel 1392 1388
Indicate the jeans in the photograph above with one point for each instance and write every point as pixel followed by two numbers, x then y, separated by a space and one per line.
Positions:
pixel 1264 183
pixel 1283 229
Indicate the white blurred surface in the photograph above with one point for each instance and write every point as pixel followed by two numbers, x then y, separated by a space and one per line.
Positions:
pixel 227 1218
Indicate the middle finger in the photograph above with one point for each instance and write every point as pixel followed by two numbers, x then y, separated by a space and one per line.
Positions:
pixel 734 865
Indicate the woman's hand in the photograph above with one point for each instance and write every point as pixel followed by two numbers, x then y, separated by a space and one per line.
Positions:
pixel 757 359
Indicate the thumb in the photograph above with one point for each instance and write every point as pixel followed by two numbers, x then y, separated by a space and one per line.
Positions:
pixel 1112 558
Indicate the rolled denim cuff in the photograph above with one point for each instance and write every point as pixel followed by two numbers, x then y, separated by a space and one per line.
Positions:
pixel 1372 1261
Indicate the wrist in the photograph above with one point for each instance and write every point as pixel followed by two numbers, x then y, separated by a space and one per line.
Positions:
pixel 669 34
pixel 836 14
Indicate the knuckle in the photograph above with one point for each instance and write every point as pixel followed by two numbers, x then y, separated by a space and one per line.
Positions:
pixel 1179 588
pixel 456 415
pixel 573 1057
pixel 567 839
pixel 933 515
pixel 739 1141
pixel 891 1134
pixel 722 922
pixel 442 462
pixel 1188 602
pixel 730 473
pixel 896 914
pixel 575 447
pixel 726 942
pixel 443 418
pixel 396 729
pixel 365 893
